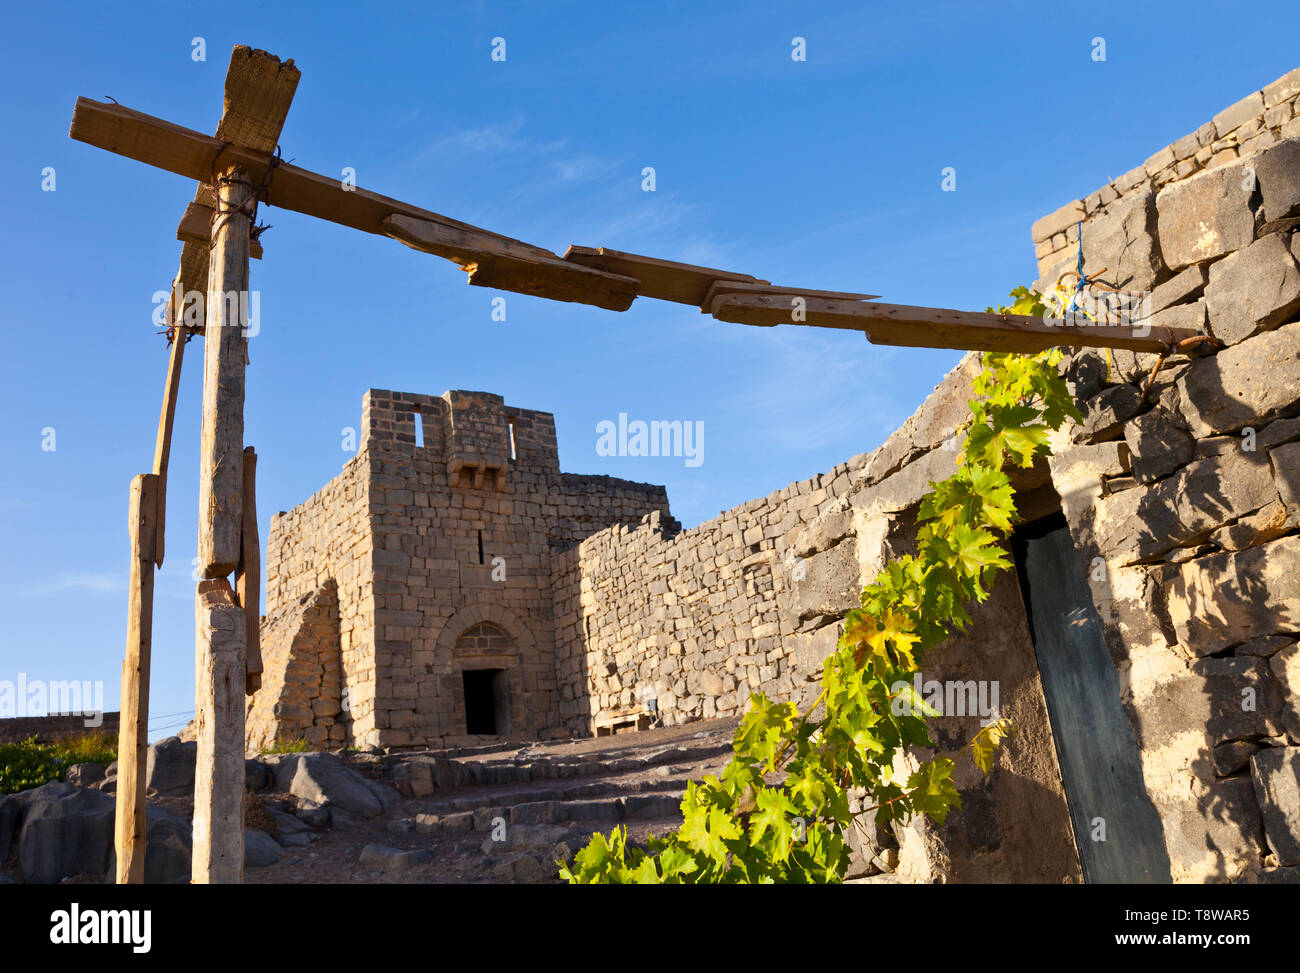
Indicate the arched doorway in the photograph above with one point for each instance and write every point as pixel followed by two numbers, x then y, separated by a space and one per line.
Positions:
pixel 484 652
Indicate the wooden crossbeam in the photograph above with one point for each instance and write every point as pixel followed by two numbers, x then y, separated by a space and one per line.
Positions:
pixel 197 156
pixel 514 267
pixel 259 89
pixel 607 278
pixel 930 327
pixel 665 280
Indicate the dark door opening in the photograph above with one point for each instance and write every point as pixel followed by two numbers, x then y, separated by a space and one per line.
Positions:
pixel 487 701
pixel 1116 828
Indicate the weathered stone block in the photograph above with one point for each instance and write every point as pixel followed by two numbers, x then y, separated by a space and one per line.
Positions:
pixel 1142 524
pixel 830 583
pixel 1184 285
pixel 1123 241
pixel 1253 290
pixel 1204 217
pixel 1276 774
pixel 1286 670
pixel 1158 444
pixel 1245 385
pixel 1105 413
pixel 1223 599
pixel 1278 171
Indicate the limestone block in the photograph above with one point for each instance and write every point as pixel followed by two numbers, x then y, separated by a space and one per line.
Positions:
pixel 1105 413
pixel 1276 774
pixel 1158 445
pixel 1140 524
pixel 1221 600
pixel 1205 216
pixel 1286 670
pixel 1123 241
pixel 1253 290
pixel 1245 385
pixel 1278 171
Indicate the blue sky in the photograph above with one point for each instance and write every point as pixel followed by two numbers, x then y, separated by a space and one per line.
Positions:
pixel 824 173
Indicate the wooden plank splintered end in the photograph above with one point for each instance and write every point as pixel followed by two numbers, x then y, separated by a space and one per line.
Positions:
pixel 665 280
pixel 927 327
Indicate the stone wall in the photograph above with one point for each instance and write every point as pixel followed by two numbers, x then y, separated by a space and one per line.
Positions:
pixel 429 531
pixel 1183 504
pixel 47 729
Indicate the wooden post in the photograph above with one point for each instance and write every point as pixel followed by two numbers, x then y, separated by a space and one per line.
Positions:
pixel 221 478
pixel 163 443
pixel 248 580
pixel 220 627
pixel 133 737
pixel 219 722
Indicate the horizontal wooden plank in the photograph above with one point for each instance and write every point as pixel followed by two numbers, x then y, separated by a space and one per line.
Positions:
pixel 194 155
pixel 512 267
pixel 196 227
pixel 720 287
pixel 665 280
pixel 927 327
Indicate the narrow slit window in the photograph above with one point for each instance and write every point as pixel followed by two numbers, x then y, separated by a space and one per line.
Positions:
pixel 419 429
pixel 511 424
pixel 480 547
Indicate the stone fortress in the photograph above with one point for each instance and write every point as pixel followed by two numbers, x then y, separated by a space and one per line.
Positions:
pixel 452 583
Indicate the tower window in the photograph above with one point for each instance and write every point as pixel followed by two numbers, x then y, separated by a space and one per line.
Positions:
pixel 511 424
pixel 419 429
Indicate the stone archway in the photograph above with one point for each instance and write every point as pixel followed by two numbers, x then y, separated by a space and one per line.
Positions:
pixel 481 655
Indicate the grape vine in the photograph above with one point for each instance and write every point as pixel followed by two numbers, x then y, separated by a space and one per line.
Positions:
pixel 781 809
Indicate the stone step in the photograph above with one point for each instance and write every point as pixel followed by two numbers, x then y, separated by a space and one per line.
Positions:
pixel 595 812
pixel 574 792
pixel 554 768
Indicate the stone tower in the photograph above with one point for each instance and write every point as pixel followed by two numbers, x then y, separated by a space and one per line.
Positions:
pixel 410 600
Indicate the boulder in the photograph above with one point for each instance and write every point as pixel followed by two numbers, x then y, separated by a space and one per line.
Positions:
pixel 1205 217
pixel 1276 773
pixel 84 775
pixel 257 776
pixel 1245 385
pixel 1158 444
pixel 170 767
pixel 393 860
pixel 11 818
pixel 260 849
pixel 168 847
pixel 66 831
pixel 1254 289
pixel 1278 170
pixel 328 782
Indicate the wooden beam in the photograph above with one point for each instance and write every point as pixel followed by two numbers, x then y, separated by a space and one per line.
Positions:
pixel 133 730
pixel 927 327
pixel 196 227
pixel 514 267
pixel 163 442
pixel 218 853
pixel 221 478
pixel 258 92
pixel 719 287
pixel 665 280
pixel 194 155
pixel 248 579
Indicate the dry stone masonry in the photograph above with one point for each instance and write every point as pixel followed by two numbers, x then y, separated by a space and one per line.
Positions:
pixel 433 593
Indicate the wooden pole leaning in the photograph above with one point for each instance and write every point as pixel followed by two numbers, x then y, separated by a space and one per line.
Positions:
pixel 133 737
pixel 220 626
